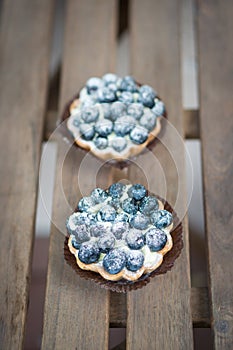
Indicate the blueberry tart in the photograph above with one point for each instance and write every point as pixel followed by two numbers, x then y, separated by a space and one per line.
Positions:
pixel 122 235
pixel 113 117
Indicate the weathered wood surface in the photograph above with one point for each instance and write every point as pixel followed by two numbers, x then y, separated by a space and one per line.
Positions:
pixel 25 27
pixel 77 311
pixel 155 59
pixel 159 315
pixel 199 308
pixel 215 28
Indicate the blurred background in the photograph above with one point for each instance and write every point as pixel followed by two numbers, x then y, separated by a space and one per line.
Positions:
pixel 195 213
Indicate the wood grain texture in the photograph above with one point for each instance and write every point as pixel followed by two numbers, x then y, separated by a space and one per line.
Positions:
pixel 199 308
pixel 159 315
pixel 74 305
pixel 215 28
pixel 25 44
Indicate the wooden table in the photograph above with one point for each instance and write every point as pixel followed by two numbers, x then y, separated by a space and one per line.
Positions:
pixel 78 313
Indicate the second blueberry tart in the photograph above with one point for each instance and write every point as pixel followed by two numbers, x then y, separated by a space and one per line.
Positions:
pixel 121 234
pixel 114 117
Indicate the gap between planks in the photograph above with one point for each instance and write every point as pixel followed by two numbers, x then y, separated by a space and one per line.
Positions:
pixel 199 308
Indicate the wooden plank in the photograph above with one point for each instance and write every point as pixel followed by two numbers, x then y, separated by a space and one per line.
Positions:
pixel 22 106
pixel 199 307
pixel 159 315
pixel 76 310
pixel 215 30
pixel 25 44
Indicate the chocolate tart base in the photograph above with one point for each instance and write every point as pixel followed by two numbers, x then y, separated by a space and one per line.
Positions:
pixel 123 286
pixel 120 164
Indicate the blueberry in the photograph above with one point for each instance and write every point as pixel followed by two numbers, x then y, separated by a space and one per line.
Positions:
pixel 161 218
pixel 82 218
pixel 135 239
pixel 77 118
pixel 156 239
pixel 76 122
pixel 89 253
pixel 139 135
pixel 87 131
pixel 129 205
pixel 90 114
pixel 139 221
pixel 106 110
pixel 137 192
pixel 88 101
pixel 106 242
pixel 124 125
pixel 118 228
pixel 85 204
pixel 117 110
pixel 106 213
pixel 119 144
pixel 118 83
pixel 147 89
pixel 110 78
pixel 126 97
pixel 116 190
pixel 148 120
pixel 121 217
pixel 135 110
pixel 100 228
pixel 159 108
pixel 128 84
pixel 104 127
pixel 147 101
pixel 101 142
pixel 147 96
pixel 75 244
pixel 115 203
pixel 72 222
pixel 134 260
pixel 70 228
pixel 82 234
pixel 92 218
pixel 113 87
pixel 93 84
pixel 98 195
pixel 106 95
pixel 148 204
pixel 114 261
